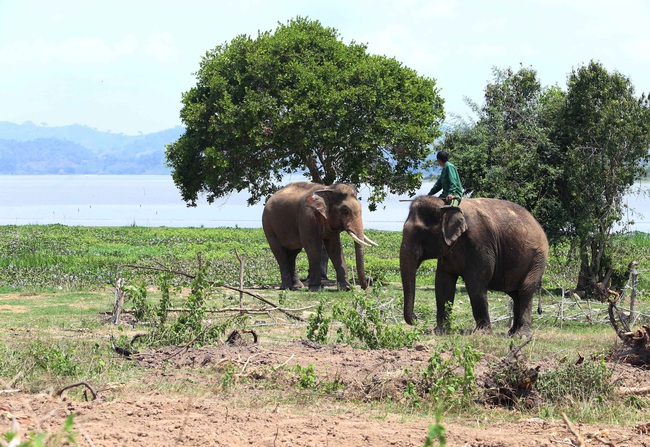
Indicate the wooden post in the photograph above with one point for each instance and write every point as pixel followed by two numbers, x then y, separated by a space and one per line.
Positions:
pixel 241 278
pixel 119 300
pixel 634 276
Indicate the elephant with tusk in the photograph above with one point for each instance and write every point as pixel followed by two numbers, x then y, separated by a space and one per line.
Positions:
pixel 310 216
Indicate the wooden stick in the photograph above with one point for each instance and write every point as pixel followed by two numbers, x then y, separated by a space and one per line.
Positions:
pixel 9 391
pixel 82 383
pixel 581 442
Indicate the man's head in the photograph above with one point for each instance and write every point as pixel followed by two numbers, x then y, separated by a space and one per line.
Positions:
pixel 442 156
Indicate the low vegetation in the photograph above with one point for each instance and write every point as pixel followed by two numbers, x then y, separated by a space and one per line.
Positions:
pixel 198 287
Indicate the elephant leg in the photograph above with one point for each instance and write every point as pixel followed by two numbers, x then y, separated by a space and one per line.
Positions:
pixel 293 273
pixel 445 292
pixel 335 253
pixel 324 261
pixel 287 262
pixel 314 251
pixel 522 307
pixel 478 298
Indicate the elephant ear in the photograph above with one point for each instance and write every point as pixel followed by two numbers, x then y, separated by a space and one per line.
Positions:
pixel 317 202
pixel 453 225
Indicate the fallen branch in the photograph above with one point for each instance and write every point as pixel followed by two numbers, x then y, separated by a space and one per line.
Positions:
pixel 282 364
pixel 190 343
pixel 235 337
pixel 261 310
pixel 624 391
pixel 581 442
pixel 121 351
pixel 9 391
pixel 514 353
pixel 604 441
pixel 637 342
pixel 236 289
pixel 86 384
pixel 246 364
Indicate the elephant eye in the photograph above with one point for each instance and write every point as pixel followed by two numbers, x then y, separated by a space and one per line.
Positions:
pixel 345 211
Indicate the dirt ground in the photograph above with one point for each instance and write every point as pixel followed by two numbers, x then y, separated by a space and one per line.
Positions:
pixel 225 417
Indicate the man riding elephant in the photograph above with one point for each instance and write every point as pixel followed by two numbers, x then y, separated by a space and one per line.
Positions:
pixel 448 182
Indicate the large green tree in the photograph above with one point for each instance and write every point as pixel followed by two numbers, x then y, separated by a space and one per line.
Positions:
pixel 508 152
pixel 604 133
pixel 299 99
pixel 569 157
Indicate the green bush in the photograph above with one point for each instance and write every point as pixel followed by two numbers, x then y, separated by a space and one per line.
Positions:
pixel 365 319
pixel 587 382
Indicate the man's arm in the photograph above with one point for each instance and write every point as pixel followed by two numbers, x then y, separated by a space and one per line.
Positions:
pixel 436 187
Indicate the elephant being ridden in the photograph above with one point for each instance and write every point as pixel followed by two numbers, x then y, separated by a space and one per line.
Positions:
pixel 310 216
pixel 492 244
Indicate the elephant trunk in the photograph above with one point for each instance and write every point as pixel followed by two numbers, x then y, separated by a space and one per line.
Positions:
pixel 408 268
pixel 361 267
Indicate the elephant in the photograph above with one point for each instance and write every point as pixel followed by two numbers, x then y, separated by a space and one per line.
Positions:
pixel 310 216
pixel 492 244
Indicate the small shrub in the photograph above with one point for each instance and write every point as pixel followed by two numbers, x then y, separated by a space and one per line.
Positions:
pixel 137 294
pixel 318 325
pixel 441 380
pixel 587 382
pixel 411 395
pixel 54 359
pixel 66 436
pixel 228 380
pixel 365 320
pixel 189 325
pixel 307 379
pixel 437 432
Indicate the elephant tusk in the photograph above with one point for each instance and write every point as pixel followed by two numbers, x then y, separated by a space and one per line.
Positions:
pixel 370 241
pixel 357 240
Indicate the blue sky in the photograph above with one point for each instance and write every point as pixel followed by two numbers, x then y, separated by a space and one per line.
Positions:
pixel 122 65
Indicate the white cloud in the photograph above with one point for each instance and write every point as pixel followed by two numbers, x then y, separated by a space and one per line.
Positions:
pixel 490 25
pixel 83 50
pixel 483 51
pixel 638 49
pixel 432 10
pixel 162 47
pixel 159 46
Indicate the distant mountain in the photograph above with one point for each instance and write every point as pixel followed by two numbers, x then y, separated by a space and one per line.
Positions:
pixel 31 149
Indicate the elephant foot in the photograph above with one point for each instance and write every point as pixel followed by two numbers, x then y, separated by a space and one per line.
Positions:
pixel 345 286
pixel 477 330
pixel 297 285
pixel 440 330
pixel 315 287
pixel 524 331
pixel 483 329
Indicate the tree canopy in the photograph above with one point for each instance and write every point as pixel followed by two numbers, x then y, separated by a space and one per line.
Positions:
pixel 567 156
pixel 508 152
pixel 604 136
pixel 299 99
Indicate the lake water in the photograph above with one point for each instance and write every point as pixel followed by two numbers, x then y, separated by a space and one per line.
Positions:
pixel 154 201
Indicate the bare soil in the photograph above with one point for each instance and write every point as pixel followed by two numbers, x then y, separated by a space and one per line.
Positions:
pixel 250 412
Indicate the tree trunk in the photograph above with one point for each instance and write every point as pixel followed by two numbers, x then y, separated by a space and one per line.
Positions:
pixel 590 265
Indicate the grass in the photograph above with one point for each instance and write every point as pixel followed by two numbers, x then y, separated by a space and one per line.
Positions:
pixel 57 283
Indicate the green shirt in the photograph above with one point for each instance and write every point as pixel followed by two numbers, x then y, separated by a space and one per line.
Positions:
pixel 449 182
